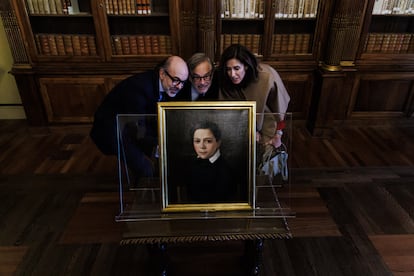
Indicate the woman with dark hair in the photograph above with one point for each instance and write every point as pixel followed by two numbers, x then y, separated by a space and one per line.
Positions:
pixel 243 78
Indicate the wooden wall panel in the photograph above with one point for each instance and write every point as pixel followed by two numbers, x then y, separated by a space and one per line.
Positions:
pixel 72 99
pixel 299 86
pixel 382 95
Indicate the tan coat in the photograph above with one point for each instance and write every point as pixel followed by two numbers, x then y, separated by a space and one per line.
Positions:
pixel 270 95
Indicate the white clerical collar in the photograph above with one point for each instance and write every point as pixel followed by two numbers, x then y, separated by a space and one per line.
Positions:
pixel 215 156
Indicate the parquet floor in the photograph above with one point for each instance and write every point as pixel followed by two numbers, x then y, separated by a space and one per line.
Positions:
pixel 353 194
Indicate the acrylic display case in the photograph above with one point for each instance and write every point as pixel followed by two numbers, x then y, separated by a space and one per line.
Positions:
pixel 152 153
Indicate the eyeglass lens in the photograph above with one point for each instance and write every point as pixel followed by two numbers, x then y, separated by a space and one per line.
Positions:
pixel 175 81
pixel 205 78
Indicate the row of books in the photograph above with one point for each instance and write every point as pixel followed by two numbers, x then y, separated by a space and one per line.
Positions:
pixel 393 7
pixel 141 44
pixel 128 7
pixel 66 45
pixel 252 41
pixel 391 43
pixel 52 6
pixel 299 43
pixel 296 8
pixel 242 9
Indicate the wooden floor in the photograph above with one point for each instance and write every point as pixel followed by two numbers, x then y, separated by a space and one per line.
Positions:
pixel 353 194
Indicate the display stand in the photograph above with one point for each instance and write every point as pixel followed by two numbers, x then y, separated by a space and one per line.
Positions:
pixel 147 223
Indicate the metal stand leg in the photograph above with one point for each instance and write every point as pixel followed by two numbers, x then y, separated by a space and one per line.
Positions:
pixel 258 257
pixel 163 259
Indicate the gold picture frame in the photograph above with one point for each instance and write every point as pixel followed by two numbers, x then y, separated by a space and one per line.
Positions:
pixel 185 186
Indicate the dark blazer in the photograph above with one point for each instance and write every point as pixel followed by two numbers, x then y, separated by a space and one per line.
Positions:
pixel 211 95
pixel 137 94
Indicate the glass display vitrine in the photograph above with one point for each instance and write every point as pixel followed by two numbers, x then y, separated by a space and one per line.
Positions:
pixel 152 153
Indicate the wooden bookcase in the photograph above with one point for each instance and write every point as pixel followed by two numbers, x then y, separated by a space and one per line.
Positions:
pixel 327 52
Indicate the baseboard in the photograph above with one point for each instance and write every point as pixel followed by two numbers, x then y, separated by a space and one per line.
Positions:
pixel 12 112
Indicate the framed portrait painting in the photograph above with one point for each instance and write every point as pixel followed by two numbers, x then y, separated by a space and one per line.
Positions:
pixel 207 155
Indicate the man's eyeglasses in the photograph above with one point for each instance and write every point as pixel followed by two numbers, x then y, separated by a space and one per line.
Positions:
pixel 205 78
pixel 175 81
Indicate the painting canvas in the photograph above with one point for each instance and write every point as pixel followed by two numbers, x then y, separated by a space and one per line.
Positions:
pixel 207 155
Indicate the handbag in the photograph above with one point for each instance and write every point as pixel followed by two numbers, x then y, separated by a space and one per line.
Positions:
pixel 274 162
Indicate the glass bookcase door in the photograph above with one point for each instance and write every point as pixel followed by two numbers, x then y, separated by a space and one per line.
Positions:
pixel 270 29
pixel 58 30
pixel 142 29
pixel 390 30
pixel 241 22
pixel 294 27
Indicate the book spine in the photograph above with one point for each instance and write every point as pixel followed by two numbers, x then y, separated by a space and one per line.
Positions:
pixel 108 7
pixel 128 8
pixel 122 7
pixel 410 48
pixel 314 9
pixel 92 45
pixel 44 45
pixel 77 48
pixel 67 41
pixel 370 43
pixel 248 41
pixel 59 6
pixel 38 44
pixel 147 44
pixel 169 44
pixel 398 43
pixel 117 45
pixel 241 39
pixel 405 43
pixel 41 6
pixel 133 45
pixel 35 4
pixel 126 49
pixel 277 44
pixel 256 43
pixel 227 40
pixel 115 6
pixel 29 4
pixel 60 45
pixel 298 43
pixel 52 5
pixel 291 43
pixel 377 7
pixel 146 7
pixel 139 9
pixel 84 47
pixel 141 44
pixel 306 43
pixel 155 45
pixel 306 8
pixel 52 45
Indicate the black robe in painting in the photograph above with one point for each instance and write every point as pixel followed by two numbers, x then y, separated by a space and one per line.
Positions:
pixel 211 182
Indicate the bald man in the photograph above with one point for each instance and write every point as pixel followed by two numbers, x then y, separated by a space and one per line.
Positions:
pixel 137 94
